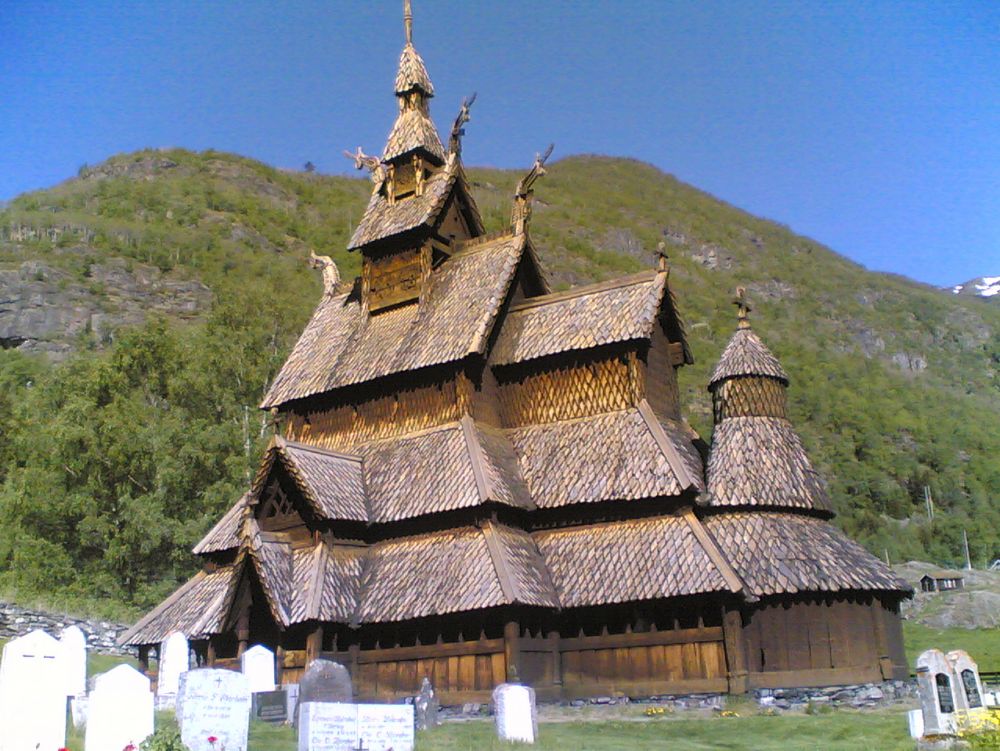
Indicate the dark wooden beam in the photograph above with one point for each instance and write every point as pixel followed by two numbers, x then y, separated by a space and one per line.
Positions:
pixel 512 650
pixel 314 644
pixel 737 670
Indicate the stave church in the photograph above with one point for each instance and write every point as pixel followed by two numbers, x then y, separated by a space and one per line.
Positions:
pixel 476 479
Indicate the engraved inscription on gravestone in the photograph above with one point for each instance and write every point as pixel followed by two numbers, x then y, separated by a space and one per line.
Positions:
pixel 969 687
pixel 213 704
pixel 936 688
pixel 348 727
pixel 270 706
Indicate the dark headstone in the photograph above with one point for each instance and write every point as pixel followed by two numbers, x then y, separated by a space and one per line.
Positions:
pixel 270 706
pixel 425 707
pixel 325 681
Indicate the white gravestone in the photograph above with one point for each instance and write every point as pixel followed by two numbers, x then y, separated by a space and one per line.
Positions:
pixel 514 709
pixel 334 726
pixel 292 696
pixel 32 694
pixel 74 648
pixel 257 664
pixel 174 661
pixel 120 710
pixel 915 719
pixel 968 686
pixel 213 704
pixel 937 693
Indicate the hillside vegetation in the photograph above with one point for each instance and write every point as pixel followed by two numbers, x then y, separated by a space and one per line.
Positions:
pixel 120 443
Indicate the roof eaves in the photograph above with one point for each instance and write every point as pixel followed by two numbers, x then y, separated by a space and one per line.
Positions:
pixel 125 638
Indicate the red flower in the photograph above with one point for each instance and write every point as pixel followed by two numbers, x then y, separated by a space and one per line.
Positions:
pixel 129 747
pixel 212 739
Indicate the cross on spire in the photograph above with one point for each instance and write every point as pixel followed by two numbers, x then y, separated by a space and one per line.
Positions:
pixel 408 21
pixel 742 308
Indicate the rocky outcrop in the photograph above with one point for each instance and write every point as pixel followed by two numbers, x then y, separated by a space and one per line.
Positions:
pixel 102 636
pixel 46 309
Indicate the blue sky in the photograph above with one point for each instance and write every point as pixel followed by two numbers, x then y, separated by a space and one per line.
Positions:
pixel 873 127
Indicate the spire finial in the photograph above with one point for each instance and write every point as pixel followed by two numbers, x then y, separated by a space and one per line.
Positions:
pixel 742 308
pixel 662 259
pixel 408 21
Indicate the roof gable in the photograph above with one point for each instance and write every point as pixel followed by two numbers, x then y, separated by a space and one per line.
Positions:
pixel 341 345
pixel 746 355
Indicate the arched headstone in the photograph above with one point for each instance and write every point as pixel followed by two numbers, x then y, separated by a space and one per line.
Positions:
pixel 32 694
pixel 120 710
pixel 968 686
pixel 257 664
pixel 213 704
pixel 515 713
pixel 174 661
pixel 74 653
pixel 937 693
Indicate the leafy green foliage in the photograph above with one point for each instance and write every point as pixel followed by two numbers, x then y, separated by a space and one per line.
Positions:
pixel 113 463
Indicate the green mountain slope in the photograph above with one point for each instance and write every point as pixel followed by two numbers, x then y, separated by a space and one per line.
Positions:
pixel 123 440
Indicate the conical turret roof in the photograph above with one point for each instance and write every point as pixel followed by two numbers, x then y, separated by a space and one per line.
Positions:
pixel 412 74
pixel 746 355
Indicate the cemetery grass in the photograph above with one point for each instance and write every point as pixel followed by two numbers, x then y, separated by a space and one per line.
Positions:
pixel 842 730
pixel 983 644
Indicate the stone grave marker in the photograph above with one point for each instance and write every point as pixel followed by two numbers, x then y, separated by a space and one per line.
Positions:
pixel 270 706
pixel 937 693
pixel 515 712
pixel 174 661
pixel 257 664
pixel 74 654
pixel 78 708
pixel 292 697
pixel 121 710
pixel 915 720
pixel 213 704
pixel 426 706
pixel 968 686
pixel 325 681
pixel 337 726
pixel 32 694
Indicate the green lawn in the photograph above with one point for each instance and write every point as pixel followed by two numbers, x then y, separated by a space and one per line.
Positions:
pixel 834 731
pixel 982 643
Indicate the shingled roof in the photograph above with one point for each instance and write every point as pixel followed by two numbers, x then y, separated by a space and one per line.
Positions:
pixel 458 465
pixel 412 73
pixel 760 461
pixel 198 608
pixel 784 553
pixel 413 130
pixel 746 355
pixel 581 318
pixel 630 560
pixel 342 346
pixel 225 535
pixel 623 455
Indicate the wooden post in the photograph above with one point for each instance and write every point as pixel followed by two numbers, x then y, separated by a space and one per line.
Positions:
pixel 210 654
pixel 355 651
pixel 553 637
pixel 144 658
pixel 314 644
pixel 736 657
pixel 512 650
pixel 279 667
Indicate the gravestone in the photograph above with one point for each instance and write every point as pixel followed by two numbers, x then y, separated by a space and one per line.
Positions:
pixel 937 693
pixel 78 707
pixel 257 664
pixel 120 710
pixel 337 726
pixel 327 682
pixel 74 654
pixel 915 720
pixel 213 704
pixel 968 686
pixel 174 661
pixel 32 694
pixel 426 706
pixel 292 697
pixel 515 712
pixel 270 706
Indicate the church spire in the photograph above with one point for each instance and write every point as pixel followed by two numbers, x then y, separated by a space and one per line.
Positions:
pixel 413 130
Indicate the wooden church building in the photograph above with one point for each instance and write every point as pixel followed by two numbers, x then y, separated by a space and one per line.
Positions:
pixel 476 479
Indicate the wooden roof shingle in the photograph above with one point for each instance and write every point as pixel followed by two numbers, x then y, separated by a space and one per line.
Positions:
pixel 783 553
pixel 621 561
pixel 197 609
pixel 746 355
pixel 760 461
pixel 614 456
pixel 225 535
pixel 413 130
pixel 581 318
pixel 340 346
pixel 412 73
